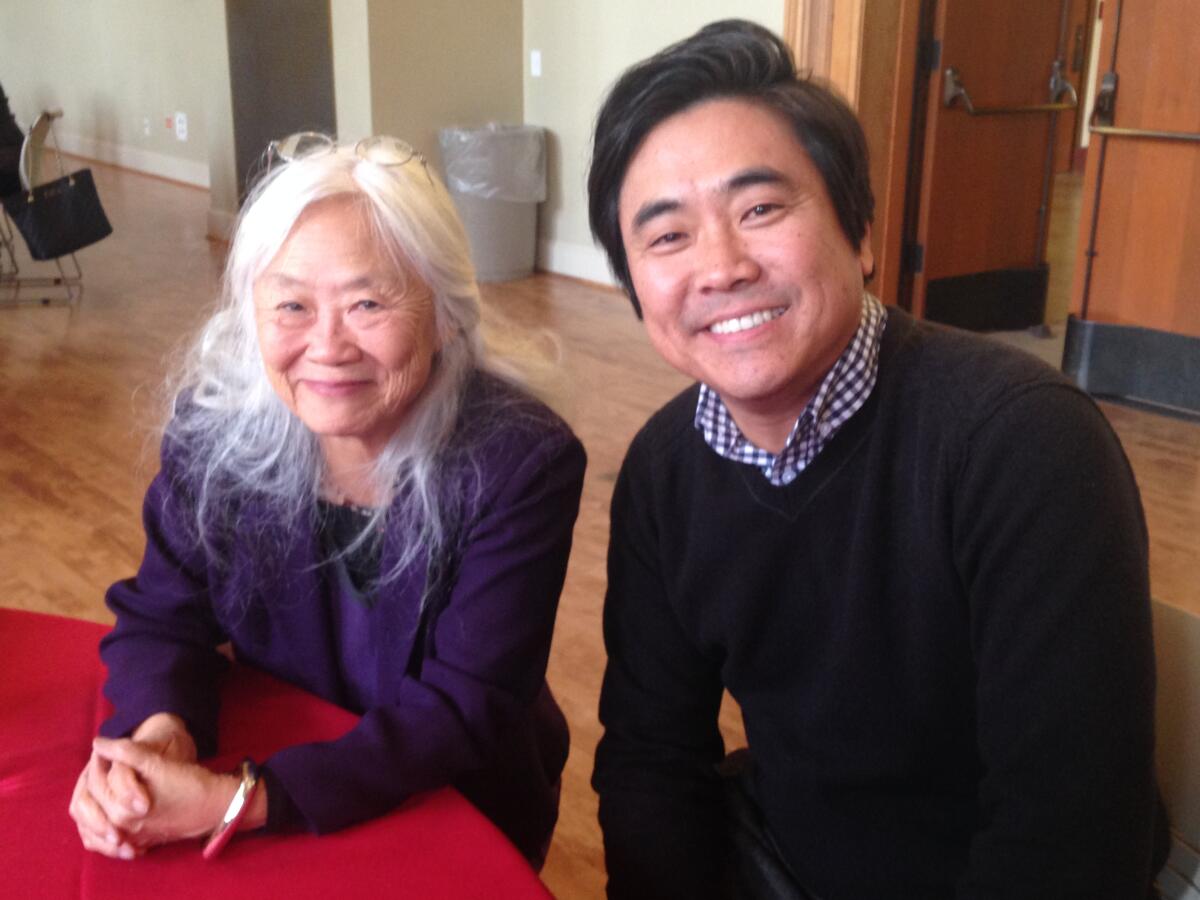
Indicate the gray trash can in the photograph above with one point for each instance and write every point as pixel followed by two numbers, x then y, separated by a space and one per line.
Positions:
pixel 497 177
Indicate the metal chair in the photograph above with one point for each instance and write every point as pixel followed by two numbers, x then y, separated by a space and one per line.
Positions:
pixel 67 285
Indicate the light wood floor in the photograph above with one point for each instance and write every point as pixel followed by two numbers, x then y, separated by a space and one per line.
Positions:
pixel 79 400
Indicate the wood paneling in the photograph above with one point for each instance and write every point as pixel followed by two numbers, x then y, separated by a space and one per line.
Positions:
pixel 826 37
pixel 982 180
pixel 1146 262
pixel 80 397
pixel 867 50
pixel 885 107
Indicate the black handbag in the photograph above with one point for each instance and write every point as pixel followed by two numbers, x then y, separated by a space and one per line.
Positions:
pixel 59 217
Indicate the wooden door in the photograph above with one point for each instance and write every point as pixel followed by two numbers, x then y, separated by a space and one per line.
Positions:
pixel 1138 261
pixel 977 261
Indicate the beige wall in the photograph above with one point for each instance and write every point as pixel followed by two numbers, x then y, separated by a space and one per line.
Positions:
pixel 585 46
pixel 118 68
pixel 222 155
pixel 454 62
pixel 350 22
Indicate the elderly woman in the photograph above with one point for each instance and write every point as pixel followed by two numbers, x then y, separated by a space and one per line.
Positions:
pixel 355 500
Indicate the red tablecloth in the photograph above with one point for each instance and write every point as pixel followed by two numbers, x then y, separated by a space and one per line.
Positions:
pixel 435 846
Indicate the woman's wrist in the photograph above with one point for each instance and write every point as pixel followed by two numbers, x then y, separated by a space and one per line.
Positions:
pixel 243 809
pixel 255 815
pixel 219 799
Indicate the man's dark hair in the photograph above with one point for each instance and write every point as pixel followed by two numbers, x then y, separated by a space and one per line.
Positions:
pixel 732 59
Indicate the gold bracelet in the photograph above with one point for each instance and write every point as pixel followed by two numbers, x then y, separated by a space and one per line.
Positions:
pixel 238 807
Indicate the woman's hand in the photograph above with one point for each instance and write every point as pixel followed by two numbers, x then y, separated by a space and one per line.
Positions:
pixel 96 830
pixel 184 800
pixel 105 785
pixel 166 735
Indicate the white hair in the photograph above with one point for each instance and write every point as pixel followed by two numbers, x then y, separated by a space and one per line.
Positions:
pixel 237 436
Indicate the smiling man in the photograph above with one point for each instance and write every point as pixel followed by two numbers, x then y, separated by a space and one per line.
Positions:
pixel 916 559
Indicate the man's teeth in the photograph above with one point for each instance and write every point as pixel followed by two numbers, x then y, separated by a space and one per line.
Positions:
pixel 732 326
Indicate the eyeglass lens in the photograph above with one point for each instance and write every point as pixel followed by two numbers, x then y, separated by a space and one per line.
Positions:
pixel 303 143
pixel 385 150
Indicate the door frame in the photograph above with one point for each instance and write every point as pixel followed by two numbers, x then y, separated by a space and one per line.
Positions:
pixel 826 37
pixel 867 49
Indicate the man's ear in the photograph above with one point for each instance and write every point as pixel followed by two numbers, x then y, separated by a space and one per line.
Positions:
pixel 866 257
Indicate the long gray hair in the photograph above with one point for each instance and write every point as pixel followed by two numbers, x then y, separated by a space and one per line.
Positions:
pixel 239 438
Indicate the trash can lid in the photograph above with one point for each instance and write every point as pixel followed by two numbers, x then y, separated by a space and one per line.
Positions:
pixel 497 161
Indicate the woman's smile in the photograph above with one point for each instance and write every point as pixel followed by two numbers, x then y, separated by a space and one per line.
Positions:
pixel 334 388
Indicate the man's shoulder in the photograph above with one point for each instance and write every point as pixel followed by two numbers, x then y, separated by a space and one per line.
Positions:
pixel 666 431
pixel 962 375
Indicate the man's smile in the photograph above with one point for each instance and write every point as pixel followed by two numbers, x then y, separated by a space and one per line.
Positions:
pixel 750 320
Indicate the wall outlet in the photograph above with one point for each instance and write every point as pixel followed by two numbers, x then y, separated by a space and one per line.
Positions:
pixel 146 126
pixel 535 63
pixel 181 126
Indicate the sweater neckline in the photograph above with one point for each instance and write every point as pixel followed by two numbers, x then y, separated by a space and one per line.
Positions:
pixel 790 500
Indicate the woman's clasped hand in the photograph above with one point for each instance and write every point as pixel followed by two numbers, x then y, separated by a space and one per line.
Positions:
pixel 146 790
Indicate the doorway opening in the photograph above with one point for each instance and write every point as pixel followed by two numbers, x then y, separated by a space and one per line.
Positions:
pixel 995 166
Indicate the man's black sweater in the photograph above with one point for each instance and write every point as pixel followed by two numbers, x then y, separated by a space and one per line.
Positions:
pixel 939 636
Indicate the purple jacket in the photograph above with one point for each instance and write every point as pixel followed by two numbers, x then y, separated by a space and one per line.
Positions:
pixel 455 696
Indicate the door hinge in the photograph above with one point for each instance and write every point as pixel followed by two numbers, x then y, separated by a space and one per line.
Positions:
pixel 914 258
pixel 930 56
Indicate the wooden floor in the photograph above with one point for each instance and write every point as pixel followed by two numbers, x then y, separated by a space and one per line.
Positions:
pixel 80 398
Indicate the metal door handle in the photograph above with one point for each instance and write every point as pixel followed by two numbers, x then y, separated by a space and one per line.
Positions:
pixel 1060 85
pixel 1104 111
pixel 1146 133
pixel 953 89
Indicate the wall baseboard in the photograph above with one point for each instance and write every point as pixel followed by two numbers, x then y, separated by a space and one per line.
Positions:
pixel 220 224
pixel 577 260
pixel 185 170
pixel 1145 367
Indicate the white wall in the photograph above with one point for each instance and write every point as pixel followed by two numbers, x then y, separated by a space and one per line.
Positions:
pixel 119 69
pixel 349 20
pixel 585 46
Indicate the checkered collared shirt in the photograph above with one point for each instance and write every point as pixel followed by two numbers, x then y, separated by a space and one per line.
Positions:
pixel 842 393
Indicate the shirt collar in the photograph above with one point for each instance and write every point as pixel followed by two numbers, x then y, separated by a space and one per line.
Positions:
pixel 841 393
